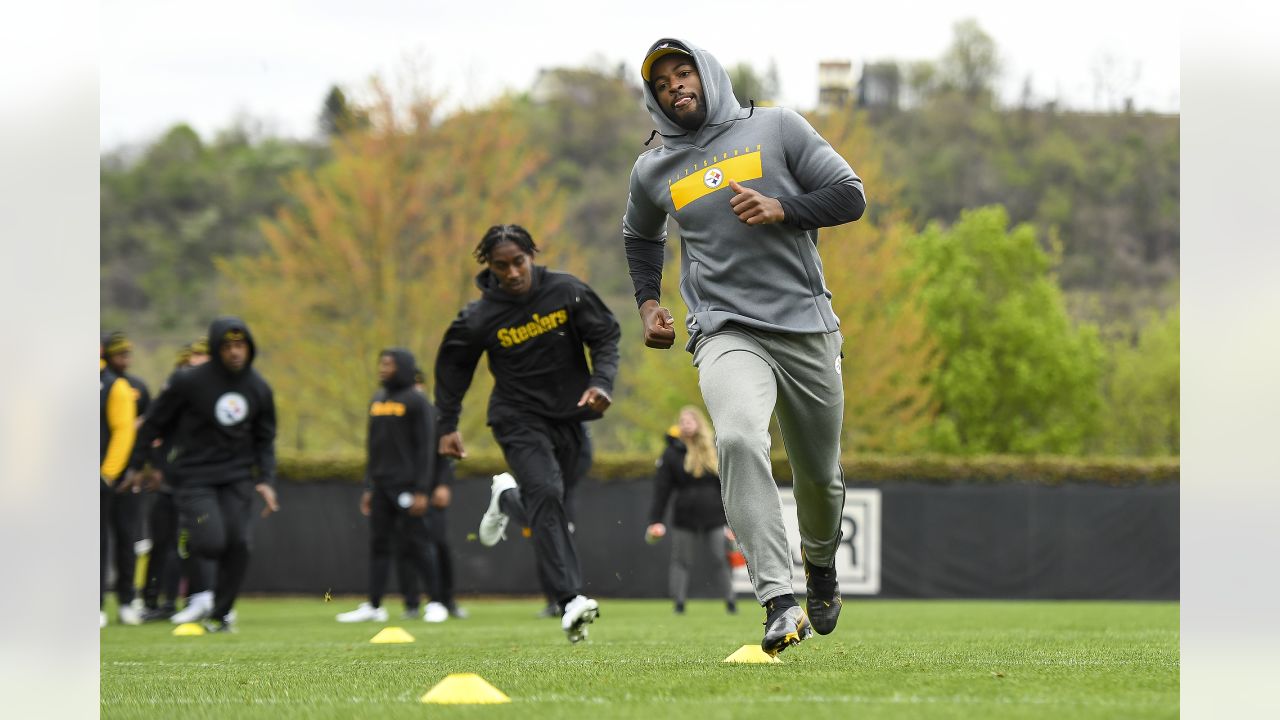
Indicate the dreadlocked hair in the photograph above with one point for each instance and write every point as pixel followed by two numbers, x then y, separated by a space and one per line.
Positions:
pixel 499 234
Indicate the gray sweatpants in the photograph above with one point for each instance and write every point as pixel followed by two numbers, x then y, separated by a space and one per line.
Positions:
pixel 746 375
pixel 686 546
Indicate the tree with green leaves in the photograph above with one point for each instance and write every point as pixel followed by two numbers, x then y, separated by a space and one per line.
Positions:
pixel 338 116
pixel 1142 390
pixel 376 252
pixel 1016 376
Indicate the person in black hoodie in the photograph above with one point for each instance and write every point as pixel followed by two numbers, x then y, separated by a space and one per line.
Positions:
pixel 688 470
pixel 399 476
pixel 117 413
pixel 533 323
pixel 443 605
pixel 127 506
pixel 118 352
pixel 221 418
pixel 169 561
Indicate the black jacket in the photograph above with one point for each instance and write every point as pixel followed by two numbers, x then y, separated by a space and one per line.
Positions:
pixel 157 456
pixel 141 394
pixel 697 500
pixel 222 423
pixel 402 434
pixel 535 345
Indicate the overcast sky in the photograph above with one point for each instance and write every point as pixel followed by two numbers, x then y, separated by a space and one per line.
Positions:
pixel 164 62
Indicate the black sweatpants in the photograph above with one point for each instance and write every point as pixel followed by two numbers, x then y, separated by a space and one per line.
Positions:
pixel 411 581
pixel 163 570
pixel 118 530
pixel 542 454
pixel 393 531
pixel 217 519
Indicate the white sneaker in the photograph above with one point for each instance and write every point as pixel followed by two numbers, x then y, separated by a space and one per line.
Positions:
pixel 199 607
pixel 578 614
pixel 102 619
pixel 435 612
pixel 130 615
pixel 364 613
pixel 493 525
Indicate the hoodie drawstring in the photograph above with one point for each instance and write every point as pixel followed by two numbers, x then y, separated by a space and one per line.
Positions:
pixel 752 101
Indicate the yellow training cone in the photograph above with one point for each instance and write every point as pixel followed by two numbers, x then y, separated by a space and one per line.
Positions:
pixel 751 654
pixel 188 630
pixel 392 635
pixel 464 689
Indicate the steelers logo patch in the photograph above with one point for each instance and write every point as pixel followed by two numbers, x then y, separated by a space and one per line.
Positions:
pixel 713 178
pixel 231 409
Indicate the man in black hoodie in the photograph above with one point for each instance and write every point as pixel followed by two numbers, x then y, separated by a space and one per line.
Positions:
pixel 169 560
pixel 221 418
pixel 533 323
pixel 399 476
pixel 126 505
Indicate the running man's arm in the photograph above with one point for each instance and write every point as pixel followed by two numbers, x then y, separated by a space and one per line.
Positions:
pixel 455 366
pixel 834 193
pixel 644 236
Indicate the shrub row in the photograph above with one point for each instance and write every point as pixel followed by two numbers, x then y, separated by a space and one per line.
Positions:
pixel 872 469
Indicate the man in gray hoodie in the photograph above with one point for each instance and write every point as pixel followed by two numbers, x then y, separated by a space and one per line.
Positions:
pixel 749 188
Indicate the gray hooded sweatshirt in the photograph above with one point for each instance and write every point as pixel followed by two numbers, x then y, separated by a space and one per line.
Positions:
pixel 764 276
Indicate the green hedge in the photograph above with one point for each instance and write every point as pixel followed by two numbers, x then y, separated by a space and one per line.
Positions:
pixel 1044 470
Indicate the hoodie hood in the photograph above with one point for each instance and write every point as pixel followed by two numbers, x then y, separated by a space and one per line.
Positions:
pixel 218 330
pixel 405 367
pixel 717 94
pixel 492 289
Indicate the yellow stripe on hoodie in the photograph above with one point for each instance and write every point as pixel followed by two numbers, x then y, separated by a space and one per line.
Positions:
pixel 704 181
pixel 122 411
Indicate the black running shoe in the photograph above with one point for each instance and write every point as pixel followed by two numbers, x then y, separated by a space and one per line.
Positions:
pixel 158 613
pixel 822 597
pixel 225 625
pixel 785 627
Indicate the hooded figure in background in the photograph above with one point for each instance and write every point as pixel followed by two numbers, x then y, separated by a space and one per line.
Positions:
pixel 221 420
pixel 749 188
pixel 399 477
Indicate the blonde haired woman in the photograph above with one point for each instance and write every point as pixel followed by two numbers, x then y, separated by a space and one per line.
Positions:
pixel 689 471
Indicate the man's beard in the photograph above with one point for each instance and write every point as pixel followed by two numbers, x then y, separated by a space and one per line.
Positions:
pixel 688 122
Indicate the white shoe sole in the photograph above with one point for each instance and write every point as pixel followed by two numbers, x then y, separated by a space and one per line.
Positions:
pixel 493 525
pixel 577 627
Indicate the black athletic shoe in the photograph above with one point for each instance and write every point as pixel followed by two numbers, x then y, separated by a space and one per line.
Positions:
pixel 679 608
pixel 225 625
pixel 784 627
pixel 158 613
pixel 822 598
pixel 552 610
pixel 731 607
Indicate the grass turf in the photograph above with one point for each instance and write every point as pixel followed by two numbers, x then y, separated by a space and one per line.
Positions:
pixel 899 659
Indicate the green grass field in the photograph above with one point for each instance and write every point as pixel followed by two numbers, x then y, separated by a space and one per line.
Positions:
pixel 898 659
